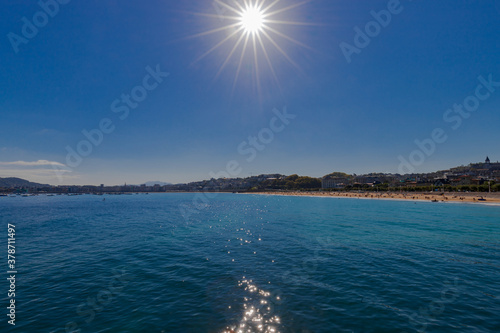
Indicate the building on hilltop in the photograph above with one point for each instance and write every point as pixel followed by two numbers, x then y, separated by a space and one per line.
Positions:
pixel 491 166
pixel 484 168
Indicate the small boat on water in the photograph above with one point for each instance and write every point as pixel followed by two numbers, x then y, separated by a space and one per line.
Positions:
pixel 435 200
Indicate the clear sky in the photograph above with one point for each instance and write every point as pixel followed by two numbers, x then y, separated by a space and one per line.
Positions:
pixel 360 100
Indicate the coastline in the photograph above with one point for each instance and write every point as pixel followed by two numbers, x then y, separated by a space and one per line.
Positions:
pixel 439 197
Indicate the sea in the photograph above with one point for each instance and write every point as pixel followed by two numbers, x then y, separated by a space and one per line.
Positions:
pixel 165 263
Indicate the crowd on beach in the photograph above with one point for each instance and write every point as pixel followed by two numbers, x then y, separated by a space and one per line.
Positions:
pixel 432 196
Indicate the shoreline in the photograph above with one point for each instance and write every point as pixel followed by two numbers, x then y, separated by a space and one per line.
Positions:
pixel 491 199
pixel 481 198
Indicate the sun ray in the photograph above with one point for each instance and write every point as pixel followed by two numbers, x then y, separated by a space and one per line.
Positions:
pixel 209 32
pixel 218 16
pixel 241 61
pixel 259 5
pixel 256 65
pixel 216 46
pixel 281 50
pixel 268 61
pixel 223 4
pixel 229 56
pixel 292 23
pixel 288 8
pixel 238 5
pixel 289 38
pixel 270 6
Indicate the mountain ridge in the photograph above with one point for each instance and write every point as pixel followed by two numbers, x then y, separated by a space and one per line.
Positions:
pixel 19 182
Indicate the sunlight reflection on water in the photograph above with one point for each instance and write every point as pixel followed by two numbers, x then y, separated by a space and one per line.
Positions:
pixel 259 314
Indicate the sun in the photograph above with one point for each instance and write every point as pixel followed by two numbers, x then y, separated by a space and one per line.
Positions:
pixel 254 34
pixel 252 20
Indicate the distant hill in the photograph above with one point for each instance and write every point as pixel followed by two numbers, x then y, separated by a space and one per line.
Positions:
pixel 153 183
pixel 18 182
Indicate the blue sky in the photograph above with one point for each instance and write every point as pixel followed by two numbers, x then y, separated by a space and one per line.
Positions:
pixel 354 117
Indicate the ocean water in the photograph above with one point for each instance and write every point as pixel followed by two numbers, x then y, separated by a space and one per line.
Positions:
pixel 251 263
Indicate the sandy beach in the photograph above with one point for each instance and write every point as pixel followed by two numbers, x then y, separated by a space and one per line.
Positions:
pixel 480 198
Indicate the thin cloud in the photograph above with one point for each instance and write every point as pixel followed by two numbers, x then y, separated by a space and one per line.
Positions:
pixel 41 171
pixel 35 163
pixel 42 176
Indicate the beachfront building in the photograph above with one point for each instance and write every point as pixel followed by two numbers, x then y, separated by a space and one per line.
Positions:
pixel 367 179
pixel 335 183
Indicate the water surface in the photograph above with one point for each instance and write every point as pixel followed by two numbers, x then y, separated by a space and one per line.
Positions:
pixel 253 263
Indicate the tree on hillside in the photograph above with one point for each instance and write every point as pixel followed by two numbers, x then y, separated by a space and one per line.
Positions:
pixel 307 183
pixel 292 178
pixel 338 175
